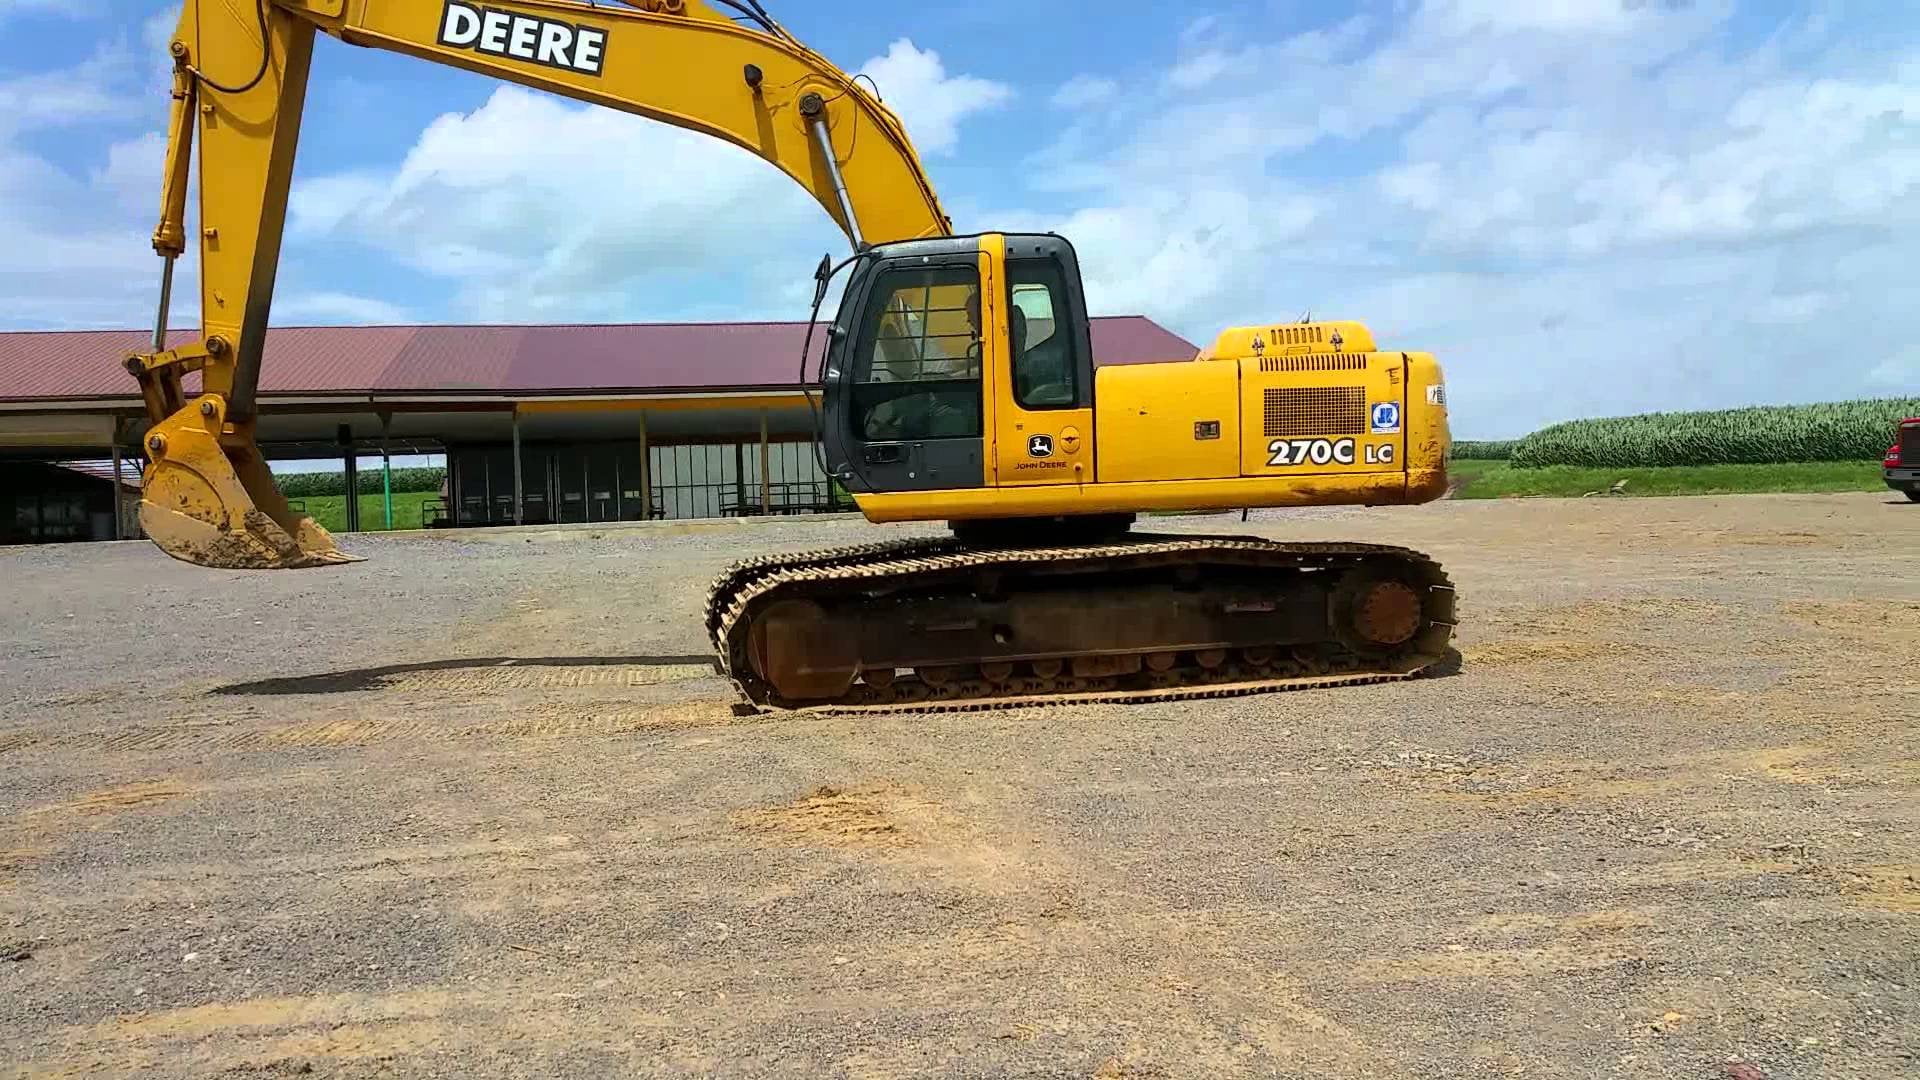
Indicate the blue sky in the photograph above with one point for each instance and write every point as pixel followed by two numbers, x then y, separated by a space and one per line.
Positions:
pixel 1585 207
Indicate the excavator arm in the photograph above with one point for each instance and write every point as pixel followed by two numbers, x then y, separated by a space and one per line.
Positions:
pixel 239 89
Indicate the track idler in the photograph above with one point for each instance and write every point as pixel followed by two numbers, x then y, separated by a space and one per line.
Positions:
pixel 208 498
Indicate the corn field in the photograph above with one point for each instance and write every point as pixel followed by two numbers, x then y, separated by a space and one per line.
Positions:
pixel 1764 435
pixel 1484 450
pixel 311 485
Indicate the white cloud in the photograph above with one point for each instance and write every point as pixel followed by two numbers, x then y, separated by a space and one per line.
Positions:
pixel 324 203
pixel 1200 69
pixel 1201 28
pixel 1583 206
pixel 1711 173
pixel 610 210
pixel 156 32
pixel 1791 309
pixel 337 308
pixel 67 8
pixel 915 85
pixel 60 98
pixel 1899 374
pixel 615 216
pixel 1561 16
pixel 132 173
pixel 81 255
pixel 1202 244
pixel 1082 91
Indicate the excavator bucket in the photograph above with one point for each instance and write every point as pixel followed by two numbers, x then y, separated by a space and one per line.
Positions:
pixel 209 499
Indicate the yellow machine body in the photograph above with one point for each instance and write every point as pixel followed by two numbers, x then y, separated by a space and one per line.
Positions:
pixel 1291 415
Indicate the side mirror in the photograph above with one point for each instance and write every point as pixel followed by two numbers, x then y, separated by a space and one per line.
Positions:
pixel 821 276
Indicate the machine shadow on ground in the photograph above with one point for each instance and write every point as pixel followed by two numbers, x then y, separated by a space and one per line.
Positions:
pixel 381 678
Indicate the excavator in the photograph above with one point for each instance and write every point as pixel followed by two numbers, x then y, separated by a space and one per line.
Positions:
pixel 958 385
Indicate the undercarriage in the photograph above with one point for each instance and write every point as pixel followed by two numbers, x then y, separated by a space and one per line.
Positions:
pixel 945 623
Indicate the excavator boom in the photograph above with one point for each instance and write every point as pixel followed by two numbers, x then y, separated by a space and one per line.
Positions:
pixel 239 89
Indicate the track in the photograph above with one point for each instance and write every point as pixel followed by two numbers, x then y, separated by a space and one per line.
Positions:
pixel 875 573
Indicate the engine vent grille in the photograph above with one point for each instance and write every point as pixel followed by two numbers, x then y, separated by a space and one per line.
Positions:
pixel 1910 446
pixel 1316 362
pixel 1299 335
pixel 1316 410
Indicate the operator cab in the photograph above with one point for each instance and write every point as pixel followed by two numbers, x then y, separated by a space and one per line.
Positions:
pixel 943 353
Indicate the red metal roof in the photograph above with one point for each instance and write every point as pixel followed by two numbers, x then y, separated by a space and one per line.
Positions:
pixel 40 365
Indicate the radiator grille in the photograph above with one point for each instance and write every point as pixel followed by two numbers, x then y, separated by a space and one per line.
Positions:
pixel 1910 445
pixel 1317 410
pixel 1317 362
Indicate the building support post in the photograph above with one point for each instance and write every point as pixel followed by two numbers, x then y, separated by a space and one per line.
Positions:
pixel 519 479
pixel 351 461
pixel 766 469
pixel 119 504
pixel 386 466
pixel 646 474
pixel 740 478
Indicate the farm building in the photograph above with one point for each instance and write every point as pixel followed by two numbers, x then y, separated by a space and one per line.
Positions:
pixel 539 424
pixel 47 503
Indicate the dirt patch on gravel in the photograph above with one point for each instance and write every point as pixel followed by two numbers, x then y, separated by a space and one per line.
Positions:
pixel 37 833
pixel 880 816
pixel 109 800
pixel 1628 613
pixel 1885 888
pixel 1894 622
pixel 1535 945
pixel 1505 653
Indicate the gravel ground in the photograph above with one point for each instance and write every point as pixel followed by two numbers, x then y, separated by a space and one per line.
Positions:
pixel 477 807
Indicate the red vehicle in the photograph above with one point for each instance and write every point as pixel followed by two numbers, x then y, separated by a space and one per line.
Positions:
pixel 1903 459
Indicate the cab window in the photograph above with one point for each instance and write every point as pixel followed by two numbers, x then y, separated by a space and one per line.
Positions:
pixel 917 360
pixel 1045 369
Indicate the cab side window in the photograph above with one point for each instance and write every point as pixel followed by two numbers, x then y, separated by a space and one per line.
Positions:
pixel 1045 370
pixel 917 360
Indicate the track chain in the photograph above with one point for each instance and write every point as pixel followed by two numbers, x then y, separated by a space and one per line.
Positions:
pixel 749 585
pixel 747 572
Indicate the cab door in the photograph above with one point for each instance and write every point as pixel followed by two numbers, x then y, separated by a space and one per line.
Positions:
pixel 914 419
pixel 1040 364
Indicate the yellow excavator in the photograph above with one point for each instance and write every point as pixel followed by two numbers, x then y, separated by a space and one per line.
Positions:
pixel 959 385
